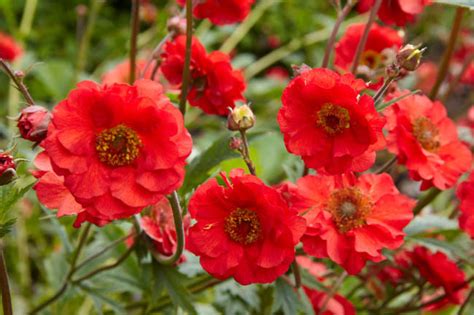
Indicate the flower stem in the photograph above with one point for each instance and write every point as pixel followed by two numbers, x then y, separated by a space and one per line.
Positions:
pixel 455 81
pixel 332 292
pixel 378 97
pixel 246 153
pixel 178 224
pixel 18 82
pixel 426 200
pixel 341 15
pixel 27 18
pixel 296 273
pixel 384 168
pixel 135 23
pixel 6 297
pixel 187 57
pixel 466 302
pixel 72 269
pixel 444 67
pixel 365 36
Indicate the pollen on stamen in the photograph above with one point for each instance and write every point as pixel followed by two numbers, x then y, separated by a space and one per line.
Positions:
pixel 118 146
pixel 243 226
pixel 426 133
pixel 333 119
pixel 349 208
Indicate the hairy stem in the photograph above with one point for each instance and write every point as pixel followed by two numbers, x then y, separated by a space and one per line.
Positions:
pixel 246 153
pixel 187 57
pixel 444 67
pixel 17 81
pixel 341 15
pixel 6 297
pixel 365 35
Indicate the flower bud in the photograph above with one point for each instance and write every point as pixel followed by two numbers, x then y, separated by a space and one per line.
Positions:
pixel 240 118
pixel 176 25
pixel 33 123
pixel 409 57
pixel 7 169
pixel 300 69
pixel 235 143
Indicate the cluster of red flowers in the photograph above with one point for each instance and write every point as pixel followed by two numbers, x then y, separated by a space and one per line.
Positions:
pixel 215 85
pixel 396 12
pixel 221 12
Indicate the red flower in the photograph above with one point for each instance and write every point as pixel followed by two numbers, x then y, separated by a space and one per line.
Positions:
pixel 324 121
pixel 215 86
pixel 33 123
pixel 159 226
pixel 426 141
pixel 7 168
pixel 351 220
pixel 398 12
pixel 221 12
pixel 121 72
pixel 120 148
pixel 336 305
pixel 382 45
pixel 465 193
pixel 438 270
pixel 9 49
pixel 244 229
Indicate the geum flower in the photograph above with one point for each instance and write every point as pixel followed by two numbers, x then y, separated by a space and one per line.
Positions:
pixel 395 12
pixel 350 220
pixel 325 121
pixel 465 194
pixel 425 140
pixel 215 85
pixel 221 12
pixel 243 229
pixel 118 148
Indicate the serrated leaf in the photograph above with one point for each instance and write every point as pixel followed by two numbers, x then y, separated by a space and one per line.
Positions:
pixel 285 299
pixel 171 280
pixel 460 3
pixel 9 195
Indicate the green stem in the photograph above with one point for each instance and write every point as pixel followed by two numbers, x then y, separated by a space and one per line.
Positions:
pixel 426 200
pixel 6 297
pixel 444 67
pixel 365 36
pixel 384 168
pixel 187 57
pixel 242 30
pixel 333 291
pixel 466 302
pixel 86 37
pixel 246 153
pixel 296 273
pixel 178 224
pixel 378 97
pixel 135 22
pixel 341 15
pixel 17 81
pixel 28 16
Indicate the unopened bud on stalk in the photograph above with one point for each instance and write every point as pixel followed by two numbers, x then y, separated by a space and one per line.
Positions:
pixel 33 123
pixel 240 118
pixel 300 69
pixel 235 143
pixel 7 168
pixel 409 57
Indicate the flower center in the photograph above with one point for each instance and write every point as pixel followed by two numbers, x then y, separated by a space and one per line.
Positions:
pixel 426 133
pixel 333 119
pixel 118 146
pixel 371 59
pixel 349 208
pixel 243 226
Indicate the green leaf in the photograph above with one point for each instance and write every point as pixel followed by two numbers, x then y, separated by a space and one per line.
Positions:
pixel 100 299
pixel 9 195
pixel 171 280
pixel 6 227
pixel 286 298
pixel 393 101
pixel 428 223
pixel 460 3
pixel 56 76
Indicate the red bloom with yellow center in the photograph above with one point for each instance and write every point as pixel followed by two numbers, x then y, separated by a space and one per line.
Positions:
pixel 215 85
pixel 244 229
pixel 465 193
pixel 380 50
pixel 119 148
pixel 426 141
pixel 221 12
pixel 396 12
pixel 9 49
pixel 351 220
pixel 325 121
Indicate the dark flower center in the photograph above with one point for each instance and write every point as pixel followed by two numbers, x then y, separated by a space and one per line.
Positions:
pixel 371 59
pixel 349 208
pixel 118 146
pixel 426 133
pixel 243 226
pixel 333 119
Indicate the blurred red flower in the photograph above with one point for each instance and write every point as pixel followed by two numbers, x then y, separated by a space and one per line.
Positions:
pixel 382 46
pixel 336 305
pixel 244 229
pixel 221 12
pixel 114 156
pixel 426 76
pixel 351 220
pixel 325 121
pixel 398 12
pixel 426 141
pixel 215 85
pixel 121 72
pixel 10 50
pixel 465 193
